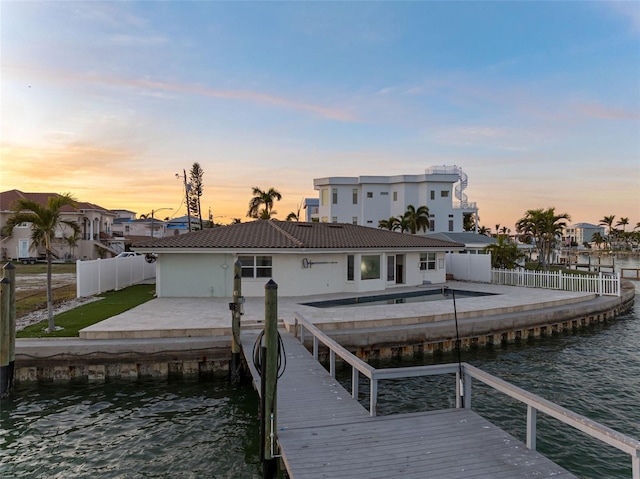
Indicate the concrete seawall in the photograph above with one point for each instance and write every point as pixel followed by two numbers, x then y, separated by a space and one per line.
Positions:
pixel 206 351
pixel 481 330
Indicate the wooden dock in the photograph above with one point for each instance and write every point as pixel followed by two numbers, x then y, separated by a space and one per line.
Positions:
pixel 322 432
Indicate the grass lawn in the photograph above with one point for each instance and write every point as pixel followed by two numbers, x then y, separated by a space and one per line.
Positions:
pixel 114 302
pixel 38 268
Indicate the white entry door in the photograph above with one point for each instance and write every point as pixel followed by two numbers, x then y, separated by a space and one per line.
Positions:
pixel 23 248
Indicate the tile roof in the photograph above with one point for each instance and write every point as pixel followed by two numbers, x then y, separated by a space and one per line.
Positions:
pixel 8 198
pixel 466 237
pixel 273 234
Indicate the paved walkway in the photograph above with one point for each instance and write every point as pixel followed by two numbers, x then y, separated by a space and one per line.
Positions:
pixel 193 317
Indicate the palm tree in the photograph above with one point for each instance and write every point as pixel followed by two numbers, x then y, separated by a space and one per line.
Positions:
pixel 391 224
pixel 504 253
pixel 608 221
pixel 597 239
pixel 263 198
pixel 624 221
pixel 295 215
pixel 417 219
pixel 45 221
pixel 543 226
pixel 483 230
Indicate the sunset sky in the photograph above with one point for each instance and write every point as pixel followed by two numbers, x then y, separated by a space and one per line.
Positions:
pixel 538 102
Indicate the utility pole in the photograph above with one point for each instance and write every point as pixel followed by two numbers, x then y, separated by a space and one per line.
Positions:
pixel 186 195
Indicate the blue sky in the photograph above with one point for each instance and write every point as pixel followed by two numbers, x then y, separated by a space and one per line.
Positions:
pixel 539 102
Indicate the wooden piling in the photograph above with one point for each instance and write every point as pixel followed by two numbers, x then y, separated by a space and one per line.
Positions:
pixel 235 370
pixel 5 285
pixel 270 464
pixel 9 271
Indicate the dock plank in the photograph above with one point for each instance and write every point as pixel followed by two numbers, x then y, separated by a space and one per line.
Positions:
pixel 324 433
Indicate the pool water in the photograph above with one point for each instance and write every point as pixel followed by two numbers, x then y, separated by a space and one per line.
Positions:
pixel 397 298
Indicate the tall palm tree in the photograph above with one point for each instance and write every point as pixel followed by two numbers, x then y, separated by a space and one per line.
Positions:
pixel 624 221
pixel 417 219
pixel 45 221
pixel 608 221
pixel 545 227
pixel 263 198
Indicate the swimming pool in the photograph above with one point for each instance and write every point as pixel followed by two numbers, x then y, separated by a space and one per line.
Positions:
pixel 396 298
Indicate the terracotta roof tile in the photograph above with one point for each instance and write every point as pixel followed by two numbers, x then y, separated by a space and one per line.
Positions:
pixel 8 198
pixel 275 234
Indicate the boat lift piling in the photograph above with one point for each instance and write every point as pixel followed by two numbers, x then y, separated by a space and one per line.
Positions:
pixel 7 329
pixel 237 310
pixel 268 381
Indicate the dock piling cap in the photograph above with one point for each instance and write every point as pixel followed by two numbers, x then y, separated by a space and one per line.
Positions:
pixel 271 284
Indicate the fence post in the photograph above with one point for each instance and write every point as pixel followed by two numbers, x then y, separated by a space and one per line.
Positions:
pixel 531 427
pixel 373 395
pixel 600 285
pixel 78 278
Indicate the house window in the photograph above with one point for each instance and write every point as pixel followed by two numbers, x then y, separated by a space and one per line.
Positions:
pixel 325 219
pixel 444 194
pixel 370 267
pixel 350 267
pixel 127 228
pixel 432 194
pixel 391 268
pixel 324 197
pixel 369 194
pixel 384 193
pixel 450 225
pixel 354 220
pixel 432 225
pixel 22 225
pixel 334 219
pixel 354 196
pixel 427 261
pixel 334 196
pixel 395 196
pixel 256 266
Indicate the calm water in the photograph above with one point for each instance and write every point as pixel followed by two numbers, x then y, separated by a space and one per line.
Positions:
pixel 207 429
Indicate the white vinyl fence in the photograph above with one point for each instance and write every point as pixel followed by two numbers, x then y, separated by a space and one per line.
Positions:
pixel 100 275
pixel 602 284
pixel 470 267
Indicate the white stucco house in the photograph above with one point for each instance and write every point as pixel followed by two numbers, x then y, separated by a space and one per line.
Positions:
pixel 365 200
pixel 302 258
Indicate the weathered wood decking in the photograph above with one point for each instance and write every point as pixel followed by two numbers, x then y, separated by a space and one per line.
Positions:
pixel 324 433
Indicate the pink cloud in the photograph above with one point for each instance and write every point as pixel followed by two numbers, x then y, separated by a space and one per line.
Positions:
pixel 597 110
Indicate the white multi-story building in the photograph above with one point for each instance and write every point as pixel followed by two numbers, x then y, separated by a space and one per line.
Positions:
pixel 581 233
pixel 366 200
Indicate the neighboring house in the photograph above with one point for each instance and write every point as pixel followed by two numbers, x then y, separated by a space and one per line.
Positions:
pixel 366 200
pixel 95 223
pixel 311 206
pixel 302 258
pixel 180 225
pixel 474 243
pixel 581 233
pixel 144 227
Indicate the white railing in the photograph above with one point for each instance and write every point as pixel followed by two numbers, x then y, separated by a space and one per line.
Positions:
pixel 534 403
pixel 100 275
pixel 602 284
